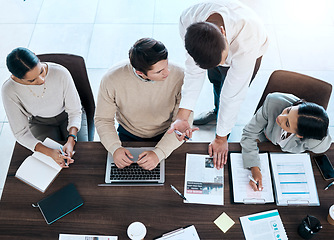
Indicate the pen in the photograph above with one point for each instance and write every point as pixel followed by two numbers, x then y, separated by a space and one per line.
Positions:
pixel 253 180
pixel 179 133
pixel 62 153
pixel 309 221
pixel 308 229
pixel 329 185
pixel 177 192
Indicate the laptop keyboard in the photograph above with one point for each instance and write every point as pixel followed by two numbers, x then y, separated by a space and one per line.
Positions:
pixel 134 172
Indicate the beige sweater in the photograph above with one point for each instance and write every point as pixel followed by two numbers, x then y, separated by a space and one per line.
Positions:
pixel 145 109
pixel 20 103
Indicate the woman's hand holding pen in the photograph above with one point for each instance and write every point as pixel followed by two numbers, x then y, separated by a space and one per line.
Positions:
pixel 68 147
pixel 61 158
pixel 57 155
pixel 257 176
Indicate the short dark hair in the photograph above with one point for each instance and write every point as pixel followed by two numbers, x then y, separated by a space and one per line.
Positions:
pixel 20 61
pixel 145 53
pixel 312 121
pixel 205 43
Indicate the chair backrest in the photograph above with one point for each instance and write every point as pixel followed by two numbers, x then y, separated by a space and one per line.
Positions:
pixel 302 86
pixel 77 67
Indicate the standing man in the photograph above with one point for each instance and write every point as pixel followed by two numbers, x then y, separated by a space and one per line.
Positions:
pixel 144 93
pixel 227 39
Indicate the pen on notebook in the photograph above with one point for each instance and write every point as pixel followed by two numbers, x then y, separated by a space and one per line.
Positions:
pixel 62 153
pixel 177 192
pixel 179 133
pixel 329 185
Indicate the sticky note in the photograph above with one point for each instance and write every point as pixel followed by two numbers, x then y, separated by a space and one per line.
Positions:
pixel 224 222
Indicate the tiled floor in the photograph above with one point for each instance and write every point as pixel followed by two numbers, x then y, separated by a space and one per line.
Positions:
pixel 301 34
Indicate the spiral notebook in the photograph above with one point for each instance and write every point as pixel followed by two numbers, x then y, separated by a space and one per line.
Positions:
pixel 59 203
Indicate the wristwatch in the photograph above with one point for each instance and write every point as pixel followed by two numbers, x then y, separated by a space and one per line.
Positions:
pixel 74 137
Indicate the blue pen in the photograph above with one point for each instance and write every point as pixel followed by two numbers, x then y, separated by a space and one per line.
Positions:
pixel 178 193
pixel 329 185
pixel 62 153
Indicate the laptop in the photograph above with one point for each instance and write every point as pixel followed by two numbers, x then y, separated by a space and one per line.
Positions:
pixel 134 175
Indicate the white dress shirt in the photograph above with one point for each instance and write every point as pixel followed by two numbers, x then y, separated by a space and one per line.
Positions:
pixel 248 41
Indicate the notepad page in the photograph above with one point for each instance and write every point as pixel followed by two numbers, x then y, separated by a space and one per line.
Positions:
pixel 50 144
pixel 36 173
pixel 294 179
pixel 242 191
pixel 47 160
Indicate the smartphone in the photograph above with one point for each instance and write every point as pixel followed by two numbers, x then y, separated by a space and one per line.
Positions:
pixel 325 166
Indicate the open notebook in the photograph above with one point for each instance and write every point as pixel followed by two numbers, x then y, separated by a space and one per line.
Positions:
pixel 39 170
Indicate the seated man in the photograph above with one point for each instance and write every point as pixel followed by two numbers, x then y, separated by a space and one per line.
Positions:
pixel 144 94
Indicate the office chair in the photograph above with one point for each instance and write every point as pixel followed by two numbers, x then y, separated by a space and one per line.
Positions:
pixel 76 66
pixel 302 86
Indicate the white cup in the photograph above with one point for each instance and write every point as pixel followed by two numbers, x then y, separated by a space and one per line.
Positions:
pixel 136 231
pixel 330 217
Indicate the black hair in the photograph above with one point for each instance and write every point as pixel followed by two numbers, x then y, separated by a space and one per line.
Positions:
pixel 205 43
pixel 313 121
pixel 20 61
pixel 145 53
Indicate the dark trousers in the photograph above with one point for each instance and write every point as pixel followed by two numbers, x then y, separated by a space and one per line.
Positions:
pixel 217 77
pixel 56 127
pixel 126 136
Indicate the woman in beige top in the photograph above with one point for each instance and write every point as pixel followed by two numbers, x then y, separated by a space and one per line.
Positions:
pixel 41 101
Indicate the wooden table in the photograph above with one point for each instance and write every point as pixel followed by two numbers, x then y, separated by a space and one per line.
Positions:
pixel 110 210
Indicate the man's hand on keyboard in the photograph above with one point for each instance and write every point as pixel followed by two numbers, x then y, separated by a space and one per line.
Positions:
pixel 121 157
pixel 148 160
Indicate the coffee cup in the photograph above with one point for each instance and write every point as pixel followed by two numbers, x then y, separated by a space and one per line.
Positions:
pixel 136 231
pixel 330 217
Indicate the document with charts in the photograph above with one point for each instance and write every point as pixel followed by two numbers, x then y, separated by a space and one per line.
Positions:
pixel 293 179
pixel 265 225
pixel 242 191
pixel 203 183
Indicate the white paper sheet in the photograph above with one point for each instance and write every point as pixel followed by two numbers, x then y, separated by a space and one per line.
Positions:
pixel 85 237
pixel 242 191
pixel 188 233
pixel 294 179
pixel 265 225
pixel 203 183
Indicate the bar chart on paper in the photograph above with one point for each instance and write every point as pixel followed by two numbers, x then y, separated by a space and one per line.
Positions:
pixel 293 179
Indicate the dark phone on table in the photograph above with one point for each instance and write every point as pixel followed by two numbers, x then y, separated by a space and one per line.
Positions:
pixel 325 166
